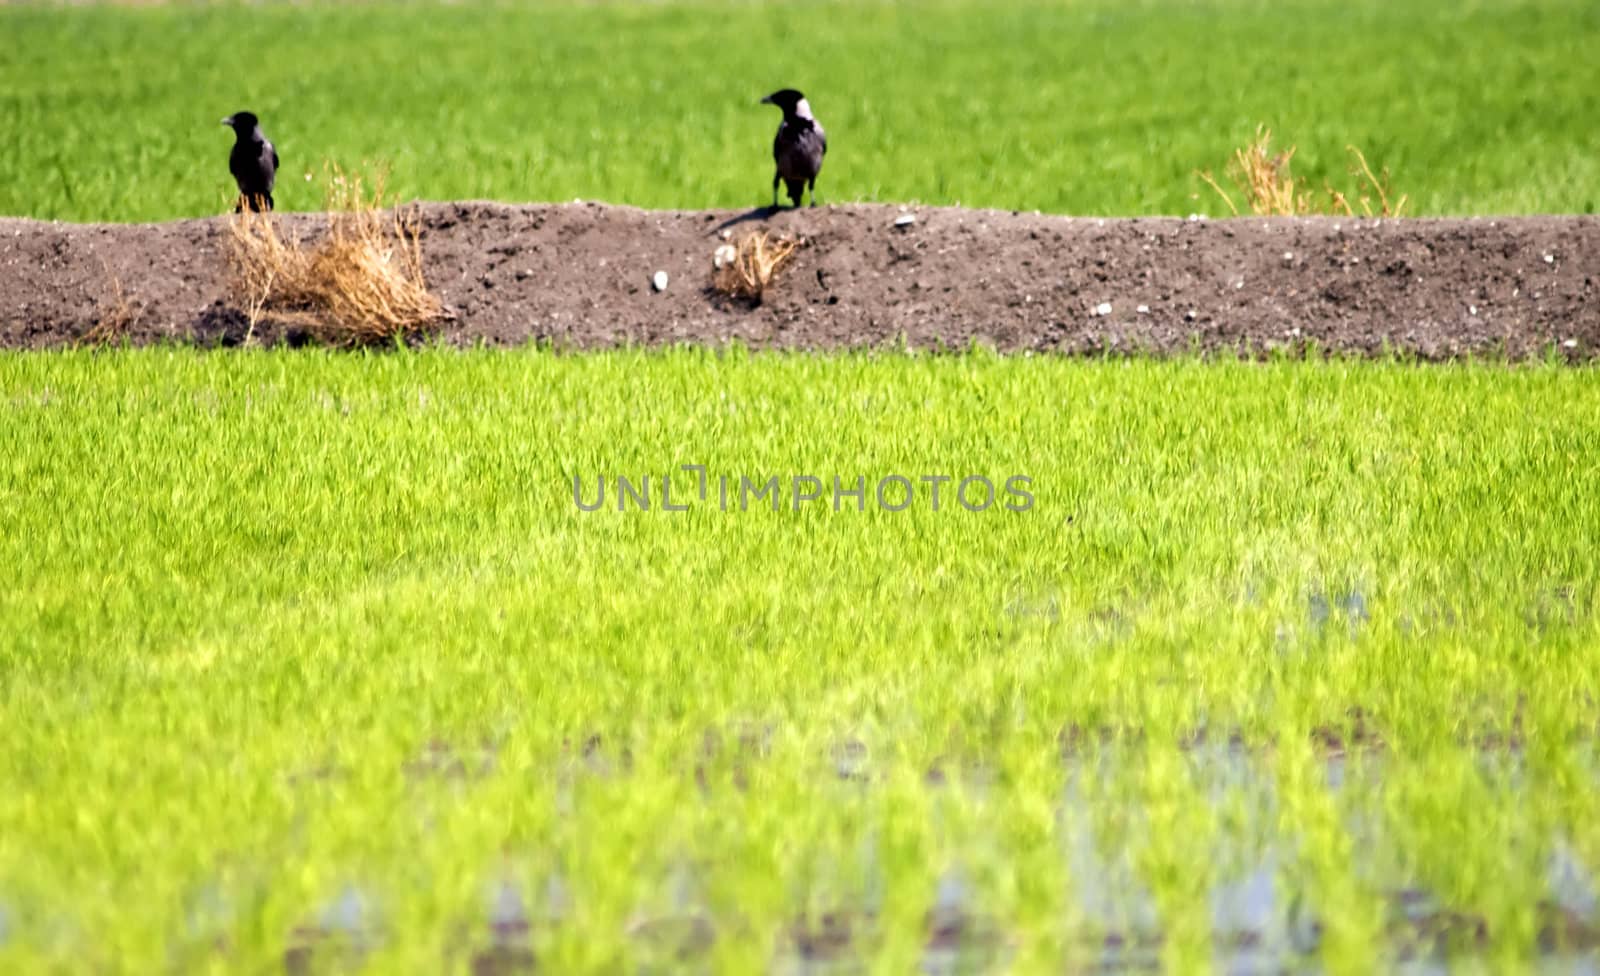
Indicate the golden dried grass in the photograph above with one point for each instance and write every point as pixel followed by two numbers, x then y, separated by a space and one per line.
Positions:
pixel 361 284
pixel 1264 180
pixel 756 261
pixel 118 314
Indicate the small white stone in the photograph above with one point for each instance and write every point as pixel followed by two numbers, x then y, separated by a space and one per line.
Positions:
pixel 905 220
pixel 726 254
pixel 1190 315
pixel 658 281
pixel 1143 310
pixel 1571 343
pixel 1288 255
pixel 1104 308
pixel 1549 259
pixel 1472 310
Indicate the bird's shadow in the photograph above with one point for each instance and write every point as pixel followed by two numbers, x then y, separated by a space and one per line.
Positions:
pixel 759 213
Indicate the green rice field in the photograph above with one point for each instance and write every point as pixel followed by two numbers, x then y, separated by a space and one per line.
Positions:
pixel 1100 107
pixel 317 654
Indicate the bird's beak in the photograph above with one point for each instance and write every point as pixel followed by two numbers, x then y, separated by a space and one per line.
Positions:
pixel 765 101
pixel 228 120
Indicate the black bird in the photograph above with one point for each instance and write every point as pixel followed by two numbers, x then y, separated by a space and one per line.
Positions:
pixel 253 162
pixel 799 147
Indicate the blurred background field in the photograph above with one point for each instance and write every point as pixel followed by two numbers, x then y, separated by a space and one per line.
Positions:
pixel 1102 108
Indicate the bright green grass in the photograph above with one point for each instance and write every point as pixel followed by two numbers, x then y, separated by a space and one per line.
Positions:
pixel 245 591
pixel 1095 107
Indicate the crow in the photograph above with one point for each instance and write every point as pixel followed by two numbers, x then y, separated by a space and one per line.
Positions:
pixel 799 146
pixel 253 162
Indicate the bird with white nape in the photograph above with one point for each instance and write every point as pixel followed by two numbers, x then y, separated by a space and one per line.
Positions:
pixel 798 148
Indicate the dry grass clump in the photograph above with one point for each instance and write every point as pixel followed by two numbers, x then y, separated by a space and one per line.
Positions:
pixel 362 284
pixel 118 315
pixel 747 269
pixel 1264 180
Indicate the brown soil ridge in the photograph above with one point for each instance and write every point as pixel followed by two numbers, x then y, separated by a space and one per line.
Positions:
pixel 579 276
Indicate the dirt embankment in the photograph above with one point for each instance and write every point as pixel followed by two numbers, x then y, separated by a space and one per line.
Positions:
pixel 580 276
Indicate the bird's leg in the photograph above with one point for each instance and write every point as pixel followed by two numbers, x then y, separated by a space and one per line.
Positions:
pixel 775 178
pixel 813 191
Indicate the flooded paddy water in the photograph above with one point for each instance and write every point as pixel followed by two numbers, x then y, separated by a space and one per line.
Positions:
pixel 1252 904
